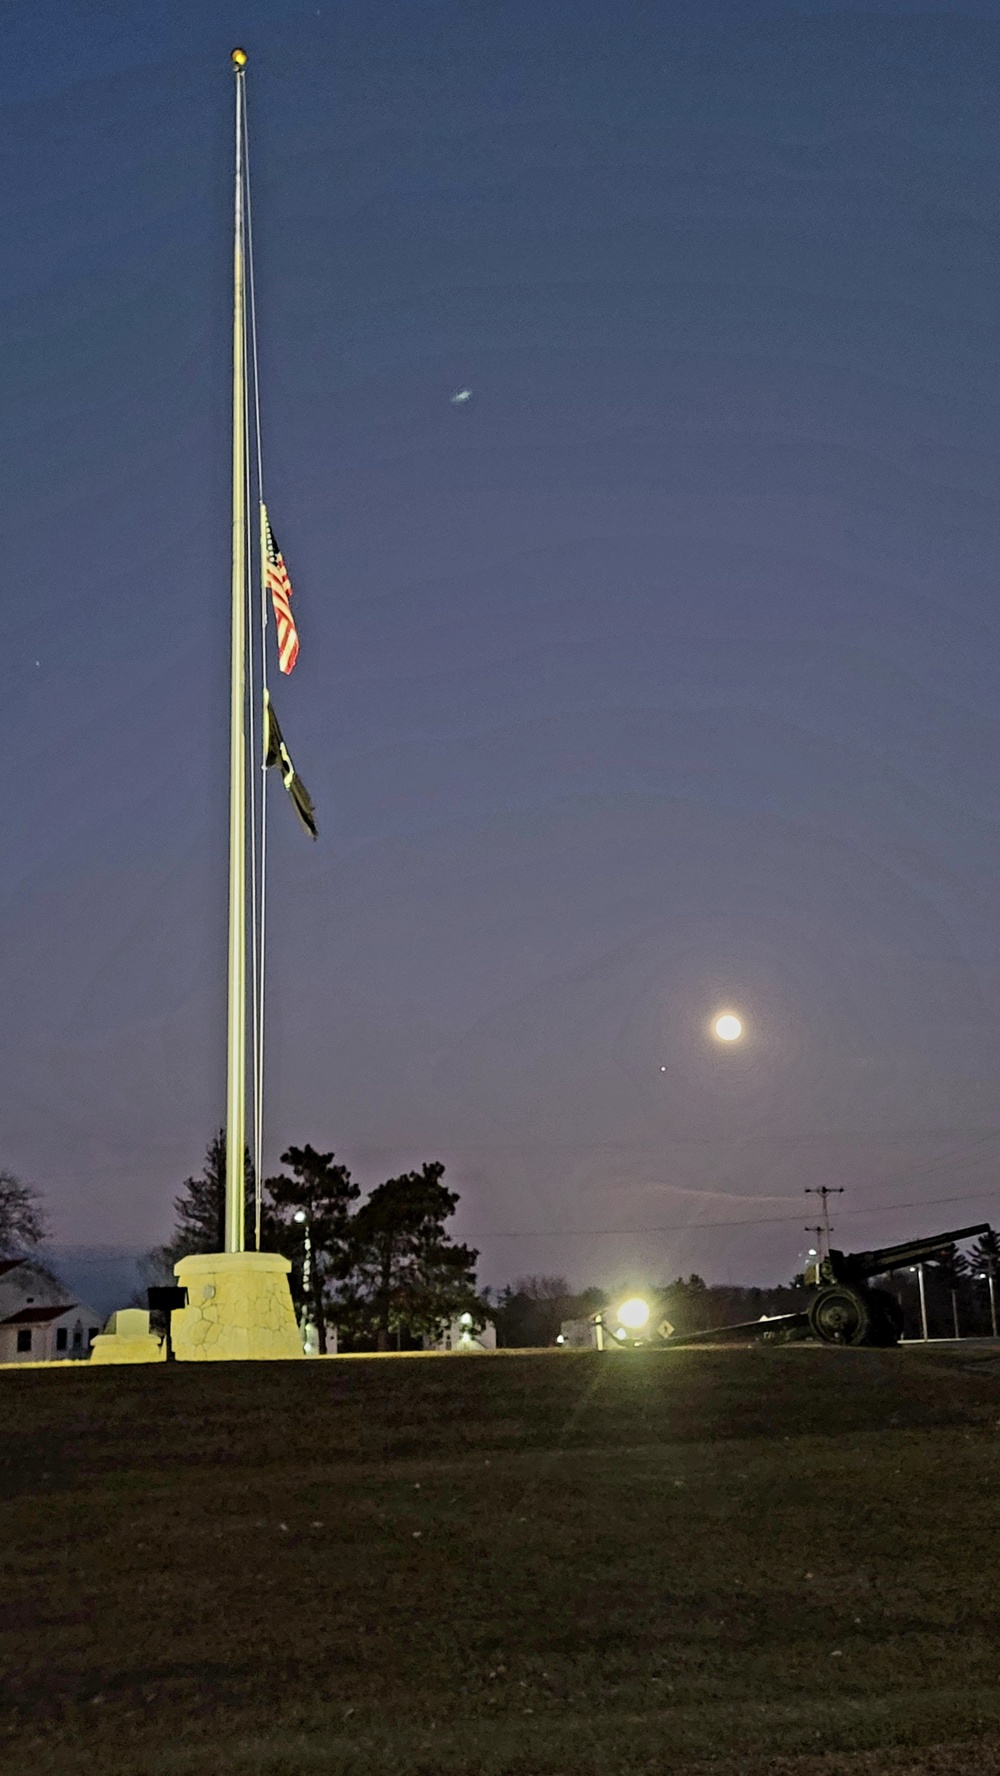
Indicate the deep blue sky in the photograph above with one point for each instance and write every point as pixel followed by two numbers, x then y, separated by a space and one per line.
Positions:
pixel 660 677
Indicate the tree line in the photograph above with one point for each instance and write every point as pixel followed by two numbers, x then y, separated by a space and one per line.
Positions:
pixel 385 1272
pixel 531 1311
pixel 956 1291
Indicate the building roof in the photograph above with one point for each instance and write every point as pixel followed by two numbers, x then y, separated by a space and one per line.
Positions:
pixel 7 1264
pixel 39 1316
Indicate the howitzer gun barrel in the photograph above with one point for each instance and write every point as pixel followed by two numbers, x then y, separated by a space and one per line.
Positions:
pixel 858 1266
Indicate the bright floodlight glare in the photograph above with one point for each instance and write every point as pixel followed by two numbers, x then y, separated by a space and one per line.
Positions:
pixel 465 1319
pixel 727 1027
pixel 633 1313
pixel 299 1215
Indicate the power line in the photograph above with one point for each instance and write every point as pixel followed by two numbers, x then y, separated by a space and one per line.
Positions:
pixel 712 1226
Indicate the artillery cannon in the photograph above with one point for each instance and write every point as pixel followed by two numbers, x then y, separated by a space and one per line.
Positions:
pixel 845 1309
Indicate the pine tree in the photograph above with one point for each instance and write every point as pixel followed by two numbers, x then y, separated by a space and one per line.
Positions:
pixel 323 1192
pixel 986 1262
pixel 200 1211
pixel 406 1272
pixel 985 1253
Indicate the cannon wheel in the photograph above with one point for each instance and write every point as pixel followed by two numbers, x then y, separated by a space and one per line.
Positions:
pixel 838 1315
pixel 887 1317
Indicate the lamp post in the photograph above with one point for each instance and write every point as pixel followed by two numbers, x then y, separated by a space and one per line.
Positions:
pixel 308 1329
pixel 989 1276
pixel 923 1299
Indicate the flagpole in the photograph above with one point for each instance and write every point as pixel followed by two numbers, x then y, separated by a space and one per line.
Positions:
pixel 239 1304
pixel 236 1018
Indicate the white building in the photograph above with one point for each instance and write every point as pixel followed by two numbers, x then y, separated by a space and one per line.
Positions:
pixel 461 1336
pixel 39 1319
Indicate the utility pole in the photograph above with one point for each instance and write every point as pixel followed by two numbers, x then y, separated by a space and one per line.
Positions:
pixel 818 1231
pixel 824 1191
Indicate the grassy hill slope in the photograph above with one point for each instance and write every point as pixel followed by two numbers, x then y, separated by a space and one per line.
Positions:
pixel 773 1559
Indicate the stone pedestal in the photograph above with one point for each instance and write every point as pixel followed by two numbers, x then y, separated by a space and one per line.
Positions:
pixel 239 1306
pixel 127 1339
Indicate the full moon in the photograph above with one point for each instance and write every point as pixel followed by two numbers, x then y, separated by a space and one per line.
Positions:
pixel 727 1027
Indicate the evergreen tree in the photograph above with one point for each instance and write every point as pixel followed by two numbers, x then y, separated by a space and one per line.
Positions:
pixel 405 1270
pixel 200 1211
pixel 323 1192
pixel 986 1263
pixel 986 1252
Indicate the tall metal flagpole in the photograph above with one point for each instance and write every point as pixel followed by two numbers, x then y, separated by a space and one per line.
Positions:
pixel 238 1303
pixel 236 1023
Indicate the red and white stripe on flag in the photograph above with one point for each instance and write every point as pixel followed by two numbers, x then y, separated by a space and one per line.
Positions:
pixel 280 587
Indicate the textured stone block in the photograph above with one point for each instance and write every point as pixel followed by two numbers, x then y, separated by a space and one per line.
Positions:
pixel 239 1308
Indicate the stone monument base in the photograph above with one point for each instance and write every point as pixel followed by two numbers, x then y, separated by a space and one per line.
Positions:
pixel 239 1307
pixel 127 1339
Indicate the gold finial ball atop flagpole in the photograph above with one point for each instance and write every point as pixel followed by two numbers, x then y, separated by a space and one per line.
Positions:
pixel 239 60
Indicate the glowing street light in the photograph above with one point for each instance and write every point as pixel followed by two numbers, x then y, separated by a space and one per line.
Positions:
pixel 728 1028
pixel 633 1313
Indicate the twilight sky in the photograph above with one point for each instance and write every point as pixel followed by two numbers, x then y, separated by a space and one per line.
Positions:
pixel 659 678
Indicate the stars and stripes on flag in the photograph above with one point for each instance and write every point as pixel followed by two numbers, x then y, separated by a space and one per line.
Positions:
pixel 280 587
pixel 276 753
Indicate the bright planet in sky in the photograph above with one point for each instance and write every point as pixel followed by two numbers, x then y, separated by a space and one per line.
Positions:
pixel 727 1027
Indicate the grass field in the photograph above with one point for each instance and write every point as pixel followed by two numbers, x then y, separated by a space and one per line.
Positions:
pixel 545 1564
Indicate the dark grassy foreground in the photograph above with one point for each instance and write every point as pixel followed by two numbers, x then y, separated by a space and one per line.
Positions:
pixel 531 1564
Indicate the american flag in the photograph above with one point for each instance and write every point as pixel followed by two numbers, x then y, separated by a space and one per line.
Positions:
pixel 281 593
